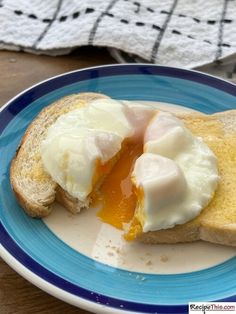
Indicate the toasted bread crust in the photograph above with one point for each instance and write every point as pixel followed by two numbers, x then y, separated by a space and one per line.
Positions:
pixel 178 234
pixel 221 234
pixel 31 208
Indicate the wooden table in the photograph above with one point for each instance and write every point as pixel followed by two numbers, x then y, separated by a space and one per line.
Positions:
pixel 17 72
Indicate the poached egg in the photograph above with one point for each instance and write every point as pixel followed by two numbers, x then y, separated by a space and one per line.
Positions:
pixel 175 178
pixel 82 145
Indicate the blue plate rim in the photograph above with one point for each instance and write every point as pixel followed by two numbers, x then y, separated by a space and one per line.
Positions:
pixel 192 75
pixel 6 240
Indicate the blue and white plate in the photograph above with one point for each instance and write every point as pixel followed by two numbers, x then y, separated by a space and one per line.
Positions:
pixel 84 262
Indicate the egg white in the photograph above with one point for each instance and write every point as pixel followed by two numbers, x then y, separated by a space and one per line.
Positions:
pixel 168 138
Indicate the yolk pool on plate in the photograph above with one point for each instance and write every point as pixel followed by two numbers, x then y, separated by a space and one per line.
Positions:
pixel 118 197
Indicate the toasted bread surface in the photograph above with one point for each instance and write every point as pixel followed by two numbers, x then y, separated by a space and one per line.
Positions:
pixel 217 222
pixel 33 187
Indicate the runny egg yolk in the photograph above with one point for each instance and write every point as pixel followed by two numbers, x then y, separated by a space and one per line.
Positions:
pixel 116 193
pixel 102 170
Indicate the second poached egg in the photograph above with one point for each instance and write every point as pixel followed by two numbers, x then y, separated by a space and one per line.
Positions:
pixel 176 177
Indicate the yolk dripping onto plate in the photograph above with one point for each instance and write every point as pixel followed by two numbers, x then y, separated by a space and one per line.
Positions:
pixel 116 193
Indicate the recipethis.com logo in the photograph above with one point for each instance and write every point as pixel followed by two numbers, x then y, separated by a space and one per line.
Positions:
pixel 214 307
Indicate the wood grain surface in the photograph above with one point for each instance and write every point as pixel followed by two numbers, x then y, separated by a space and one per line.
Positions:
pixel 18 71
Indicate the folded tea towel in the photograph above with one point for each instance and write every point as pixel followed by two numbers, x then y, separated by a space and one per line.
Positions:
pixel 183 33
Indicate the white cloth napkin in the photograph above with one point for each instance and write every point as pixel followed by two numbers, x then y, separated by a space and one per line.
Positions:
pixel 183 33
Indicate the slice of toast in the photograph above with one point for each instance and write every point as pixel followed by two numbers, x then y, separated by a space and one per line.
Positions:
pixel 33 187
pixel 217 222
